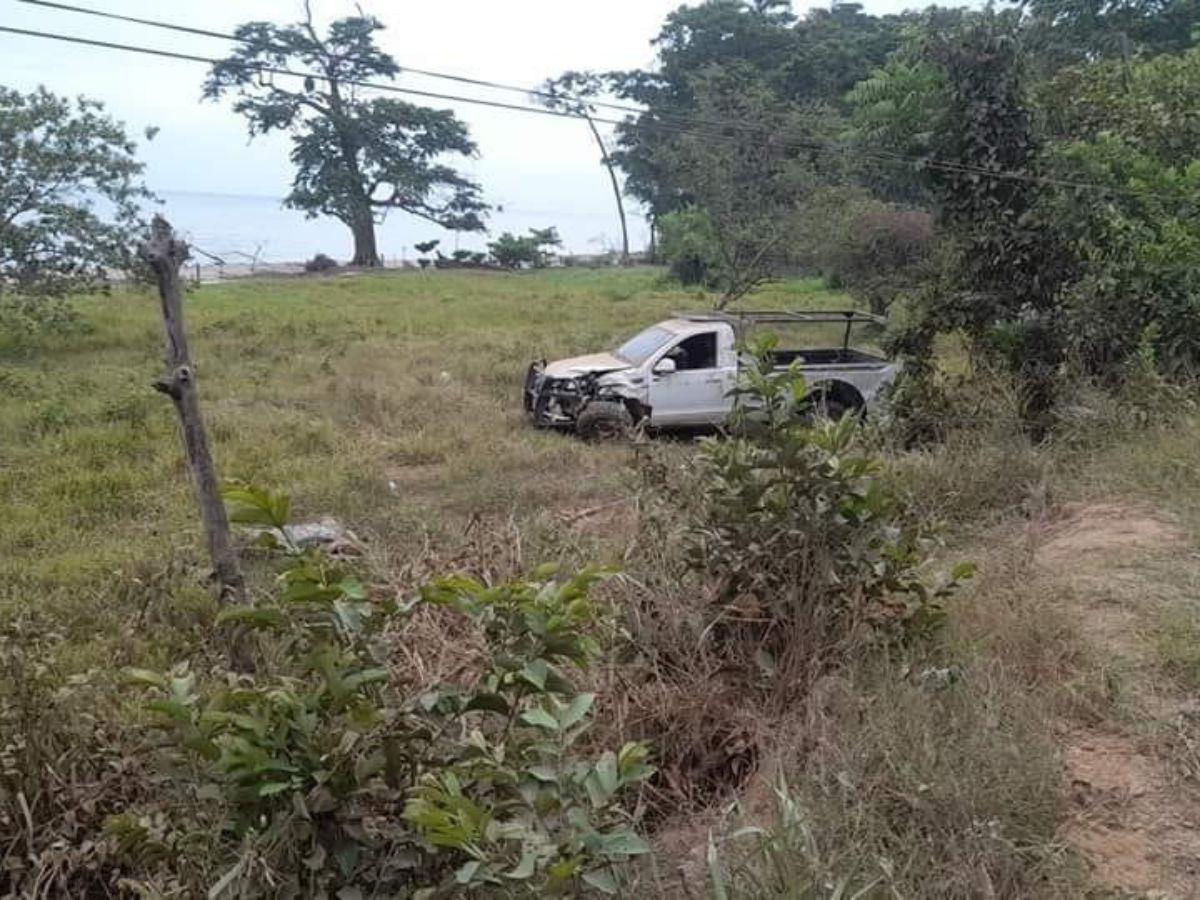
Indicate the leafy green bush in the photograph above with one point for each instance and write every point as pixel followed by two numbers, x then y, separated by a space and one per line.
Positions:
pixel 332 780
pixel 809 547
pixel 23 318
pixel 513 252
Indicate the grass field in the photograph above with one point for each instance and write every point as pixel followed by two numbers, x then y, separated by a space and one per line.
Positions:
pixel 392 402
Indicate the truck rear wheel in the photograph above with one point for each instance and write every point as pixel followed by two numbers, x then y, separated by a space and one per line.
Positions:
pixel 604 420
pixel 823 405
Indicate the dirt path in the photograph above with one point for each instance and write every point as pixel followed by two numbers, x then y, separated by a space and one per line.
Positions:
pixel 1132 817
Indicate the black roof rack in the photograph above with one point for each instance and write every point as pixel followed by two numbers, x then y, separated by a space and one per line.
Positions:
pixel 751 317
pixel 741 318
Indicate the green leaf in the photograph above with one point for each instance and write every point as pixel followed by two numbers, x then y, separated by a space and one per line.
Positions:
pixel 346 854
pixel 366 767
pixel 146 677
pixel 716 874
pixel 539 718
pixel 765 662
pixel 488 703
pixel 602 880
pixel 171 708
pixel 524 869
pixel 535 673
pixel 273 787
pixel 365 677
pixel 631 757
pixel 247 505
pixel 595 791
pixel 625 843
pixel 556 684
pixel 963 571
pixel 560 872
pixel 606 772
pixel 466 871
pixel 352 588
pixel 577 709
pixel 252 616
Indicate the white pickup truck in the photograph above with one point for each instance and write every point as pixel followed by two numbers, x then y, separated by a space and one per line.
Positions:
pixel 681 373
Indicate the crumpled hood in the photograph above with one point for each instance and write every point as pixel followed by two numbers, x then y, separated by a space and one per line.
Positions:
pixel 583 365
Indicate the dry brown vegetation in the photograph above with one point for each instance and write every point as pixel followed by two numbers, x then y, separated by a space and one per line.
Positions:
pixel 1043 745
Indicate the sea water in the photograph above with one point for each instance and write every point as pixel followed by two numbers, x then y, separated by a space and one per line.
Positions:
pixel 240 229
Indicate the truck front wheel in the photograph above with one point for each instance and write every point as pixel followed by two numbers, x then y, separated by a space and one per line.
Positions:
pixel 604 420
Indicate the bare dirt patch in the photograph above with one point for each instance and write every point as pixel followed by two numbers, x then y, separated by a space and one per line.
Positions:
pixel 1130 819
pixel 1101 534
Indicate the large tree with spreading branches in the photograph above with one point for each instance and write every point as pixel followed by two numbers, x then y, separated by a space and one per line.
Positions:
pixel 357 157
pixel 70 195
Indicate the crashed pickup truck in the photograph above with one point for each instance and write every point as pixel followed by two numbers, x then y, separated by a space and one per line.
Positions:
pixel 681 373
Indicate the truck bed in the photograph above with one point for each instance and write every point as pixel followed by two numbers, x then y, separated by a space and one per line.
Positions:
pixel 832 357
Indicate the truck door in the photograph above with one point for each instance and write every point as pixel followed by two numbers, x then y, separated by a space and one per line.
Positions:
pixel 695 393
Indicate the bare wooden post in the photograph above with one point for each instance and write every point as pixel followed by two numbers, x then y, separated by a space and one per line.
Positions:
pixel 165 256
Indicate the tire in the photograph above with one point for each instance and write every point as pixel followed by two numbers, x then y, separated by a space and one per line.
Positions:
pixel 604 420
pixel 823 406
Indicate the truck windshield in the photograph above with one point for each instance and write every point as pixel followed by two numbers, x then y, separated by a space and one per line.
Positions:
pixel 641 347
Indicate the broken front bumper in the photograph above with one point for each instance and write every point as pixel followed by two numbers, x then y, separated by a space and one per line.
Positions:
pixel 551 402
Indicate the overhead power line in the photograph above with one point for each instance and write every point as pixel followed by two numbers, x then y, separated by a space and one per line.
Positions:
pixel 787 142
pixel 427 73
pixel 291 73
pixel 683 124
pixel 542 95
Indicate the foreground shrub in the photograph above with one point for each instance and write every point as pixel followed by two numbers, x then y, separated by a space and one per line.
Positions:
pixel 779 554
pixel 329 780
pixel 807 546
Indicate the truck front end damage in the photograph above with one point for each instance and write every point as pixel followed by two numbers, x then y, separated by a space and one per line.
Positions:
pixel 556 394
pixel 555 402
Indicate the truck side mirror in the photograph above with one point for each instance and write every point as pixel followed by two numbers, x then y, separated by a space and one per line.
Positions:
pixel 664 366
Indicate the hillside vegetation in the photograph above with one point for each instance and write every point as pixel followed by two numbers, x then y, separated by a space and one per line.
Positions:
pixel 993 758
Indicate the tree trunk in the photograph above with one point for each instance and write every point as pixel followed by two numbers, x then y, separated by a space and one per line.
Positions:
pixel 366 252
pixel 165 255
pixel 616 186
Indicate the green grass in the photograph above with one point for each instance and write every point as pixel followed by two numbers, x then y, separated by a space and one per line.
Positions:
pixel 391 401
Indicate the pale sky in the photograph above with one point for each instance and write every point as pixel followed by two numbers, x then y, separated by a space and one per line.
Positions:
pixel 543 171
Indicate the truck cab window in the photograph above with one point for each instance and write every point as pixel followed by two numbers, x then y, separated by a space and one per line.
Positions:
pixel 697 352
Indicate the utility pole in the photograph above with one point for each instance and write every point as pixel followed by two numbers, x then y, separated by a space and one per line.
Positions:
pixel 616 186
